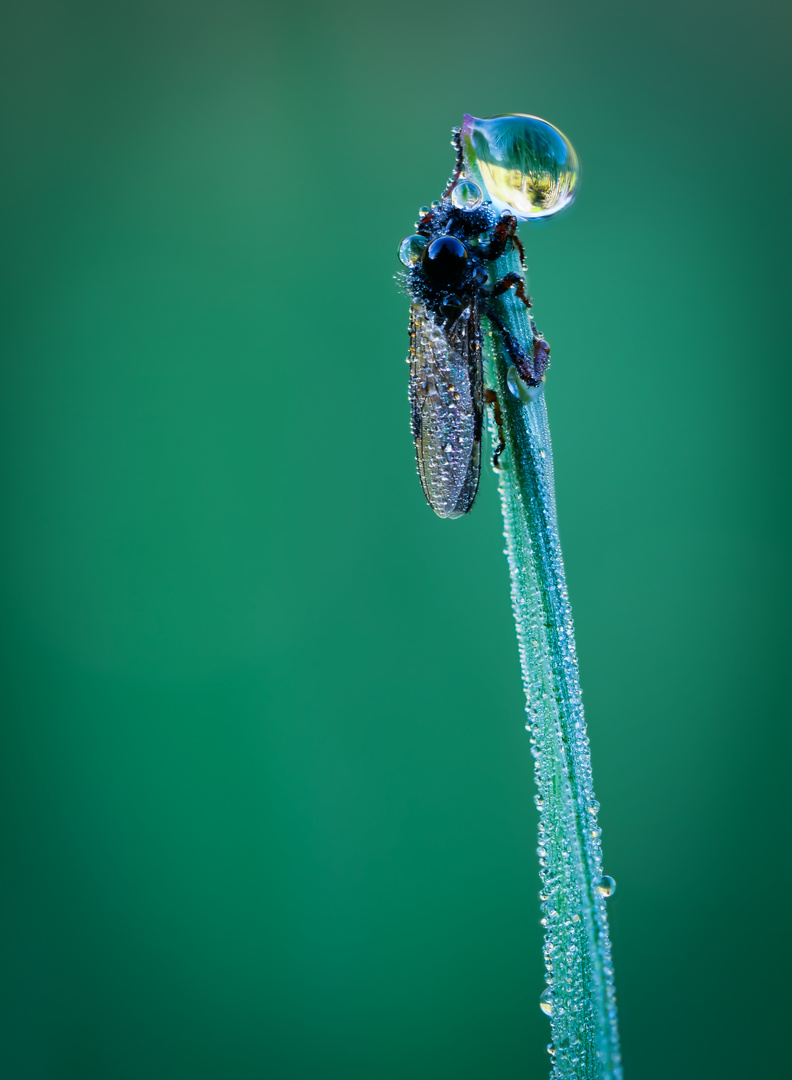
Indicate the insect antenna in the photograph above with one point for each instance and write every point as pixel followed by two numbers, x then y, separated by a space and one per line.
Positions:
pixel 456 142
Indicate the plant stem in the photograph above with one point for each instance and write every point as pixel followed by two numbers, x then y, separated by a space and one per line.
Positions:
pixel 584 1034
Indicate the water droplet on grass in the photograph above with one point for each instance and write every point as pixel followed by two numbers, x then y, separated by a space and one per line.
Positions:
pixel 519 388
pixel 528 166
pixel 606 886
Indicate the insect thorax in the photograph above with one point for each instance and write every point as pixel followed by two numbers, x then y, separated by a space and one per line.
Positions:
pixel 452 280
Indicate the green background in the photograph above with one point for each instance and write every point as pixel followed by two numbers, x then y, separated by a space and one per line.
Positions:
pixel 266 797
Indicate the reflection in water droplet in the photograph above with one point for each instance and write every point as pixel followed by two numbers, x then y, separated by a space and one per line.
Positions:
pixel 606 886
pixel 527 165
pixel 466 195
pixel 423 211
pixel 546 1001
pixel 411 249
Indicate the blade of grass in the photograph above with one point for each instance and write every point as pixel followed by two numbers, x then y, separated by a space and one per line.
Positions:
pixel 580 997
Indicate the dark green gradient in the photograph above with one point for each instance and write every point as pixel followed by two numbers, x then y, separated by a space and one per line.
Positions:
pixel 266 797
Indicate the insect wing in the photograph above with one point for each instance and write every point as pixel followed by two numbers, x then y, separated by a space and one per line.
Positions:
pixel 446 407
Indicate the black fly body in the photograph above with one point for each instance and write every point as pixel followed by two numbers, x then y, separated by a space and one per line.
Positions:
pixel 449 262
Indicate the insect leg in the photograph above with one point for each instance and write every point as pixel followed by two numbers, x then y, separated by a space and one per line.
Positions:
pixel 491 398
pixel 504 231
pixel 506 282
pixel 530 368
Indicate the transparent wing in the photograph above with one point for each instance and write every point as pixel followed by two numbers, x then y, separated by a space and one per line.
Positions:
pixel 446 407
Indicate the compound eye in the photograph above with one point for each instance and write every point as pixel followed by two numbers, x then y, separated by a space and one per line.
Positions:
pixel 445 259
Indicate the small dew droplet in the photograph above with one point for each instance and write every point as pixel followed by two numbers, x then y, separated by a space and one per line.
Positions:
pixel 466 195
pixel 606 886
pixel 411 249
pixel 546 1001
pixel 450 303
pixel 520 389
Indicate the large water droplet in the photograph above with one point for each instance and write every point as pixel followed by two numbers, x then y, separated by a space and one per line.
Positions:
pixel 606 886
pixel 527 165
pixel 466 195
pixel 546 1001
pixel 411 249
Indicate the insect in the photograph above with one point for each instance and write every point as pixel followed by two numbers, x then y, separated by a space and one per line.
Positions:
pixel 449 266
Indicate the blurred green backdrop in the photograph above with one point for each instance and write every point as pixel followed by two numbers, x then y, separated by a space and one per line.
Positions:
pixel 266 794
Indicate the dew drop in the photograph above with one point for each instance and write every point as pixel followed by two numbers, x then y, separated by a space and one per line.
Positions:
pixel 519 388
pixel 411 249
pixel 606 886
pixel 423 211
pixel 466 195
pixel 528 166
pixel 546 1001
pixel 450 303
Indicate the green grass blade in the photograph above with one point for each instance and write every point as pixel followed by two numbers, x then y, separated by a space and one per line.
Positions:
pixel 584 1040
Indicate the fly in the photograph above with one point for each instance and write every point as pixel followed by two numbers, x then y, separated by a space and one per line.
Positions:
pixel 448 263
